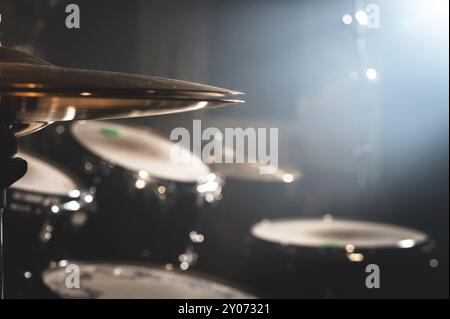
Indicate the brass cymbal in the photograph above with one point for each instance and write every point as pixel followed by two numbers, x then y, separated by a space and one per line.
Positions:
pixel 34 93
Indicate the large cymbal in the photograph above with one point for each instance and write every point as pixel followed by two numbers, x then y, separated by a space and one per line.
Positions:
pixel 34 93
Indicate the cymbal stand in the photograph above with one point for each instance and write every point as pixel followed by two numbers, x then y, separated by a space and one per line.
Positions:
pixel 8 148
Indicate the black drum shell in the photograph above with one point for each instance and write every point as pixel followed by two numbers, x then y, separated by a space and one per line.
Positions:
pixel 35 236
pixel 131 224
pixel 138 225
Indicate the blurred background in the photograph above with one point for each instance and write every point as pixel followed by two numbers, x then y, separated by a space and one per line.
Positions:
pixel 362 112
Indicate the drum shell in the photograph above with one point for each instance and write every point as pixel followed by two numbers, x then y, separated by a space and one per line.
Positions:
pixel 35 236
pixel 131 224
pixel 139 225
pixel 279 271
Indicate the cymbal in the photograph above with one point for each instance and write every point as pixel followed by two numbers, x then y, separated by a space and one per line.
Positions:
pixel 250 172
pixel 34 93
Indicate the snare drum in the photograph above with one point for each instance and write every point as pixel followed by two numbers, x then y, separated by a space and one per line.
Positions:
pixel 46 212
pixel 125 281
pixel 329 258
pixel 148 204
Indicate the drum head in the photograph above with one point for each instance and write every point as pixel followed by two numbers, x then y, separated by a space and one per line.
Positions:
pixel 113 281
pixel 42 177
pixel 319 233
pixel 136 150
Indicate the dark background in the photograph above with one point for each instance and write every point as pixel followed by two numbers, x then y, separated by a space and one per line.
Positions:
pixel 293 60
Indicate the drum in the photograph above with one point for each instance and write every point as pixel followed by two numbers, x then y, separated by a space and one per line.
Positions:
pixel 248 197
pixel 322 258
pixel 148 204
pixel 46 214
pixel 125 281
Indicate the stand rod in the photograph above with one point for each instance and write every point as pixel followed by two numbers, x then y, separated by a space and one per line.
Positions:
pixel 10 171
pixel 2 265
pixel 2 257
pixel 2 207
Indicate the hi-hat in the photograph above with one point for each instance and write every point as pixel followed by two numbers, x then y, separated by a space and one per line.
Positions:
pixel 34 93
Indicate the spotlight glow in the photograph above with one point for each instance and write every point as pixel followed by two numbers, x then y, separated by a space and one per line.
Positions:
pixel 347 19
pixel 371 74
pixel 361 17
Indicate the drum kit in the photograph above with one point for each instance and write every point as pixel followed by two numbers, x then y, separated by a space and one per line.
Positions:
pixel 35 94
pixel 107 198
